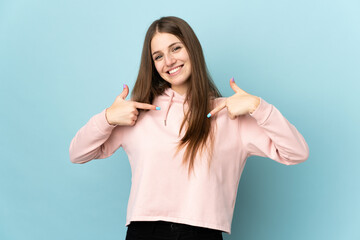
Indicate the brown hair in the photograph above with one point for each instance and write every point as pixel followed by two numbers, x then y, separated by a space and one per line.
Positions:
pixel 201 88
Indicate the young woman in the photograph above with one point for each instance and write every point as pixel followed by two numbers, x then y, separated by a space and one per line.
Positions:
pixel 187 146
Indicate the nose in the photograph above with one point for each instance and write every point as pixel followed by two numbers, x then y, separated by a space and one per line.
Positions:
pixel 169 59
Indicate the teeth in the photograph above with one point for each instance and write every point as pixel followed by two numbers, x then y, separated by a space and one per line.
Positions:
pixel 174 70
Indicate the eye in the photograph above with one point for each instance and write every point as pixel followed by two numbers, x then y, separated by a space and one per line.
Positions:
pixel 158 57
pixel 176 48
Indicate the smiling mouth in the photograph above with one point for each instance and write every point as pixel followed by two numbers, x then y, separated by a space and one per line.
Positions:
pixel 175 70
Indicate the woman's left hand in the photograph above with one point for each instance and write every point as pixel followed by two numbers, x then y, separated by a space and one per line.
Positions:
pixel 238 104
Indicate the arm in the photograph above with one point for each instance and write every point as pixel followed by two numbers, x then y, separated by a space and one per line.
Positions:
pixel 269 134
pixel 95 140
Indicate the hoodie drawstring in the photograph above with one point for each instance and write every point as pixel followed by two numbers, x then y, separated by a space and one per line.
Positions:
pixel 168 107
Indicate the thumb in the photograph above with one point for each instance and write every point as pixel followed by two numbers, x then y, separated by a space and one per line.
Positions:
pixel 235 87
pixel 125 92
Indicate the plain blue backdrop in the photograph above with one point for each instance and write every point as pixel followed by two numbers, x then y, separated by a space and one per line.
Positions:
pixel 61 62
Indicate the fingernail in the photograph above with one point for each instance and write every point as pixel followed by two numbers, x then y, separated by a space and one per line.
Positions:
pixel 157 108
pixel 124 85
pixel 209 115
pixel 232 79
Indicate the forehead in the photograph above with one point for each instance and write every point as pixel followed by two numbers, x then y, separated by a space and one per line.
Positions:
pixel 161 41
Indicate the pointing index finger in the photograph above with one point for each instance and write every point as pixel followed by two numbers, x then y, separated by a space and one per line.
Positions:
pixel 146 106
pixel 217 109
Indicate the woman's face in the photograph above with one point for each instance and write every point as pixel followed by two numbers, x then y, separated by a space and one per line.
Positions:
pixel 171 60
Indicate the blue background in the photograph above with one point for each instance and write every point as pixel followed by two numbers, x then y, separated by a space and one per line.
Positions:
pixel 61 62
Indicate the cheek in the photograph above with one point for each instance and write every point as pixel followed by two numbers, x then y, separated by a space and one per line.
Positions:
pixel 188 64
pixel 186 56
pixel 158 68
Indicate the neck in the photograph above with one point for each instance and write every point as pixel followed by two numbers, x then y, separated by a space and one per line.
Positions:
pixel 182 89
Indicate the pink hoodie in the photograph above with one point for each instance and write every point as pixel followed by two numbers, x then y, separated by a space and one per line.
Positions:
pixel 161 189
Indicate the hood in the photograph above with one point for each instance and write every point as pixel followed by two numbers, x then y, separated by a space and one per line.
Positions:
pixel 170 96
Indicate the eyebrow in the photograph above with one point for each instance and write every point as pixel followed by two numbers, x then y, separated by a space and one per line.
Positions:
pixel 168 47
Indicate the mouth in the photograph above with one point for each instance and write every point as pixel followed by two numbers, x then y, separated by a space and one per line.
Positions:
pixel 175 71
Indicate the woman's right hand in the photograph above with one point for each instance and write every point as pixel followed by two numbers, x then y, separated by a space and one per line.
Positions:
pixel 124 112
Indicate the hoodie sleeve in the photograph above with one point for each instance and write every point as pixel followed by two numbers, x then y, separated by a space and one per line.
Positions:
pixel 269 134
pixel 96 139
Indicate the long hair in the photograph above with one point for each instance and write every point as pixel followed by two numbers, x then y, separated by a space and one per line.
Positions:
pixel 149 84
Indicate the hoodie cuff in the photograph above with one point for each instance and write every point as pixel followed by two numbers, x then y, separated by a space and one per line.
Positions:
pixel 262 112
pixel 102 124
